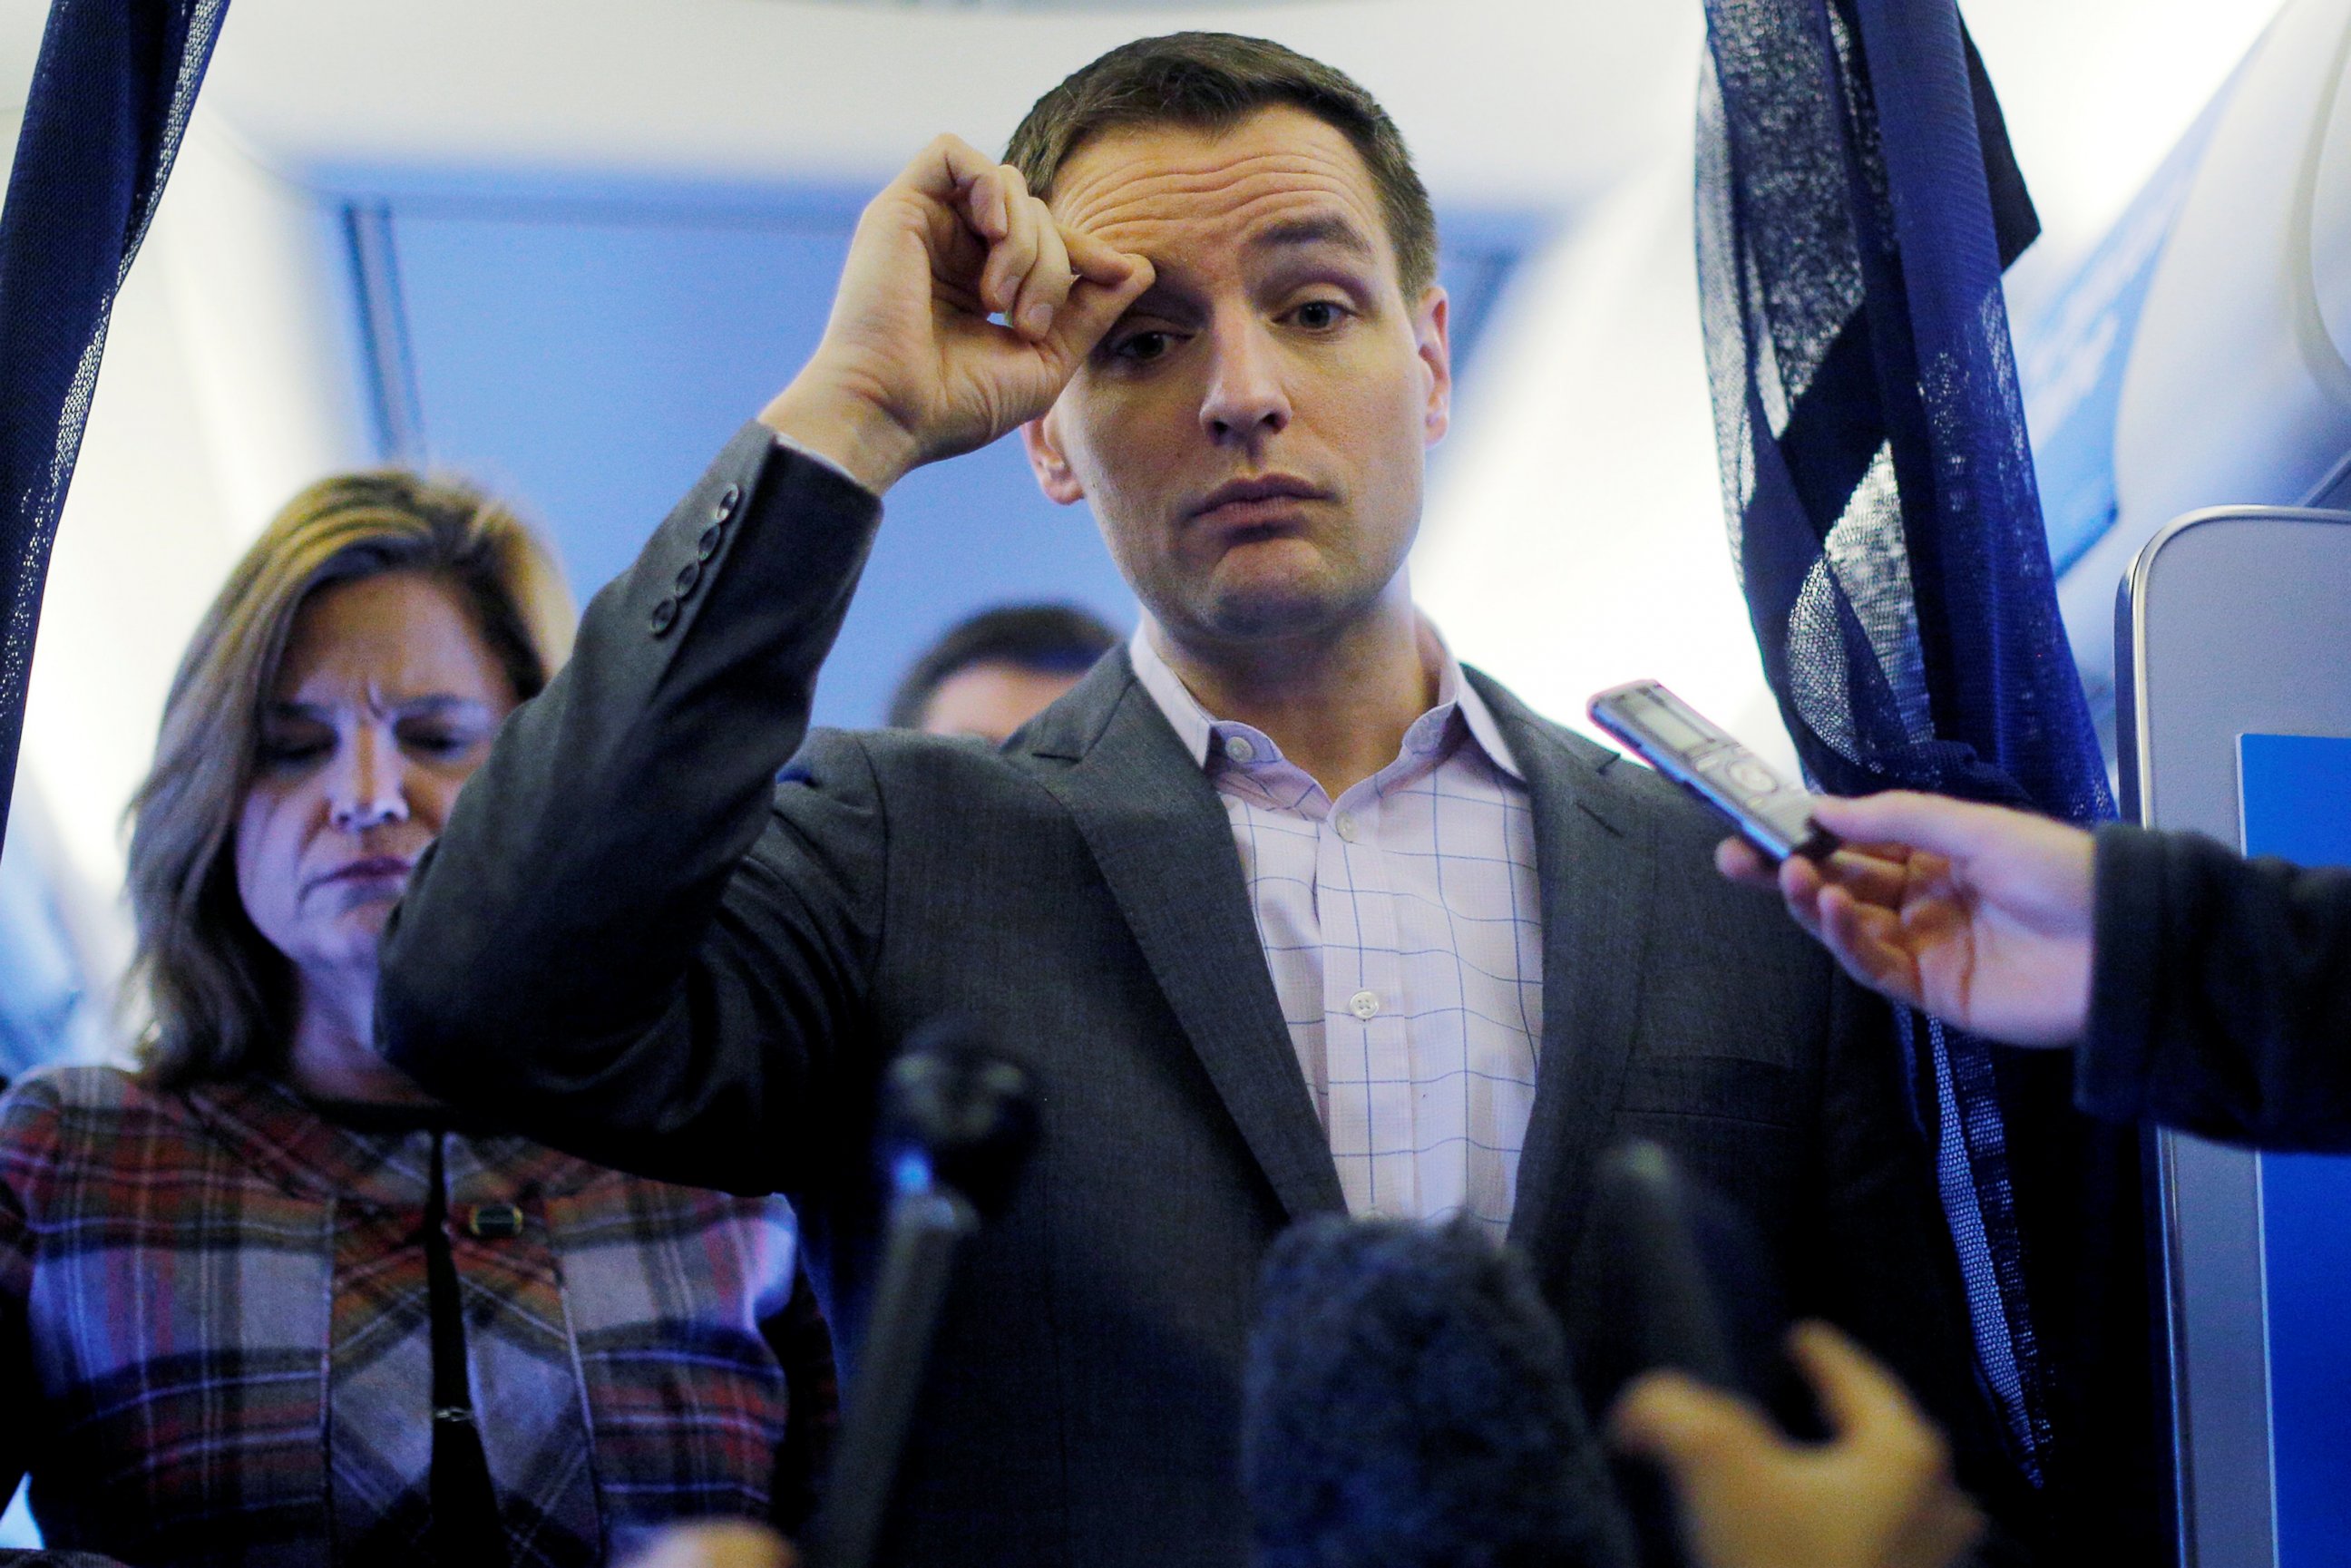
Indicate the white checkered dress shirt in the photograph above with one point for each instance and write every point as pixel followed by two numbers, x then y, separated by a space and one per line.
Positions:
pixel 1403 924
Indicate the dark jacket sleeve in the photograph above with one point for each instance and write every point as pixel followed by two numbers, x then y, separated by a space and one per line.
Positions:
pixel 2220 993
pixel 593 949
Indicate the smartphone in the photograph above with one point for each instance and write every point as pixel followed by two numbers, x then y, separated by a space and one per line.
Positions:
pixel 1666 733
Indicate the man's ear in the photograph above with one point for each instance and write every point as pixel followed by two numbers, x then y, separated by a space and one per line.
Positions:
pixel 1431 328
pixel 1041 439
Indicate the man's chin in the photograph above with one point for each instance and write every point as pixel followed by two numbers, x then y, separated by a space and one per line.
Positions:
pixel 1261 607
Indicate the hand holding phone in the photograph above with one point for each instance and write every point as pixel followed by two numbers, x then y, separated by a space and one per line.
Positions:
pixel 1666 733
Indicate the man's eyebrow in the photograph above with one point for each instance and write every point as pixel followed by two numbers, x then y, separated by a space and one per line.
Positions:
pixel 1328 229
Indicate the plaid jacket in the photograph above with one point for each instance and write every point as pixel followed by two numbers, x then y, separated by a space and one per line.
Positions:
pixel 214 1342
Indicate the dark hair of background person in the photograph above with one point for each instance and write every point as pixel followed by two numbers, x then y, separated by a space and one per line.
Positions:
pixel 1050 639
pixel 220 994
pixel 1211 82
pixel 1407 1403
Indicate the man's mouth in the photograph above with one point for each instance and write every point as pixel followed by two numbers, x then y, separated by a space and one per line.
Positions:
pixel 1250 504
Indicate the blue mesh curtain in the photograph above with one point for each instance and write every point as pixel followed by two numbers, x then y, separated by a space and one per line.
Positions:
pixel 1856 204
pixel 109 102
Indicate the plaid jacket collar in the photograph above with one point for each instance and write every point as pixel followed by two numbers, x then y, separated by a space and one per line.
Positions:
pixel 285 1140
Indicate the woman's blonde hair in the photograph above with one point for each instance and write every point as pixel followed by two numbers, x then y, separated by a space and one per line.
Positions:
pixel 222 997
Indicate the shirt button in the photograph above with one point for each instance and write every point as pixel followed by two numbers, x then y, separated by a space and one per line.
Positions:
pixel 1346 826
pixel 1238 748
pixel 663 617
pixel 707 545
pixel 727 500
pixel 1364 1005
pixel 687 575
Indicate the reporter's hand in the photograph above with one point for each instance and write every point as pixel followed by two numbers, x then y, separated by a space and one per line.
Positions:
pixel 716 1543
pixel 1879 1494
pixel 1977 914
pixel 910 368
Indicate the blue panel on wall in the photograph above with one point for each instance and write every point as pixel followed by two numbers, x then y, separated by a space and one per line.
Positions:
pixel 591 367
pixel 588 357
pixel 2296 791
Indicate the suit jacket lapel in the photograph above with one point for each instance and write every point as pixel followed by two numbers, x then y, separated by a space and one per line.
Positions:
pixel 1164 847
pixel 1597 869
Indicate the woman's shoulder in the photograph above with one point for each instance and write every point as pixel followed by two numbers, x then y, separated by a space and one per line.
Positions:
pixel 85 1114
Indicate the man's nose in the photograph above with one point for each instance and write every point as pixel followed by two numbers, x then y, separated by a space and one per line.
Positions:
pixel 370 787
pixel 1245 399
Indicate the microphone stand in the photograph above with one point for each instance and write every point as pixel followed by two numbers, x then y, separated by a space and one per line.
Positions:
pixel 958 1124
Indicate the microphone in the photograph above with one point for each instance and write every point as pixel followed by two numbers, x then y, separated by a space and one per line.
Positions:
pixel 1408 1405
pixel 957 1125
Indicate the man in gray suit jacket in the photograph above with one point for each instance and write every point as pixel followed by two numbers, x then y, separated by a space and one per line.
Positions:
pixel 1287 912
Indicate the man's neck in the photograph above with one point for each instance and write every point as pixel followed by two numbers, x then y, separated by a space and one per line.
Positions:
pixel 1338 706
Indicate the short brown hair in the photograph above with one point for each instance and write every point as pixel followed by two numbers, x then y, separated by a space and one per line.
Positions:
pixel 220 994
pixel 1213 81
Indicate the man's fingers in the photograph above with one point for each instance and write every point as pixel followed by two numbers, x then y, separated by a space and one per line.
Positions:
pixel 1012 258
pixel 948 170
pixel 1092 308
pixel 1097 261
pixel 717 1544
pixel 1739 860
pixel 1799 882
pixel 1875 873
pixel 1947 827
pixel 1047 285
pixel 1678 1421
pixel 1856 1393
pixel 1861 937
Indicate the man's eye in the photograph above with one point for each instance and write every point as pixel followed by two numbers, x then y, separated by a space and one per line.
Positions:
pixel 1319 315
pixel 1143 347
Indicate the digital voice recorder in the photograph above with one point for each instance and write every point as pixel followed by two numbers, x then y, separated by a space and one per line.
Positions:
pixel 1771 813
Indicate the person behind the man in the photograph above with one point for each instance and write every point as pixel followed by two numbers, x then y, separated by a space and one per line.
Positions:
pixel 1286 911
pixel 991 673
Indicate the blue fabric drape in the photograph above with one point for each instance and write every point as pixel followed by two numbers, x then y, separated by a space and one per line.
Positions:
pixel 108 103
pixel 1857 200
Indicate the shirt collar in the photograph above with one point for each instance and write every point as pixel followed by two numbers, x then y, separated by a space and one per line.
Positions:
pixel 1196 728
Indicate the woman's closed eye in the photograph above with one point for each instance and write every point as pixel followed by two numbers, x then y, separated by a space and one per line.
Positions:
pixel 441 738
pixel 293 749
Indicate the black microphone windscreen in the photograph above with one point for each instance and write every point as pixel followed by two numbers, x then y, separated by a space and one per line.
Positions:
pixel 1408 1406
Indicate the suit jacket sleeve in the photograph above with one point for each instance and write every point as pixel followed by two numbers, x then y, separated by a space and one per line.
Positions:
pixel 2220 993
pixel 593 949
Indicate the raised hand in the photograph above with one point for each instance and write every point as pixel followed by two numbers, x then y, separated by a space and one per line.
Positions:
pixel 910 368
pixel 1977 914
pixel 1878 1494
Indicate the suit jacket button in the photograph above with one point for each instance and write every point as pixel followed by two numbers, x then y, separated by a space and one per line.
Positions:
pixel 728 499
pixel 664 616
pixel 707 545
pixel 687 575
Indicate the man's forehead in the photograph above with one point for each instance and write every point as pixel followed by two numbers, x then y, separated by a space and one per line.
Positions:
pixel 1280 177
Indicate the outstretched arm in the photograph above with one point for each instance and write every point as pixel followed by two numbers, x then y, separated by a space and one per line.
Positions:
pixel 2207 990
pixel 1975 914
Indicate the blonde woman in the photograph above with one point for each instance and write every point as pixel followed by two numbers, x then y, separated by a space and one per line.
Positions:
pixel 263 1301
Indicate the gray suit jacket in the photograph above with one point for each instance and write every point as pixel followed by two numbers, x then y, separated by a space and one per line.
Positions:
pixel 637 944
